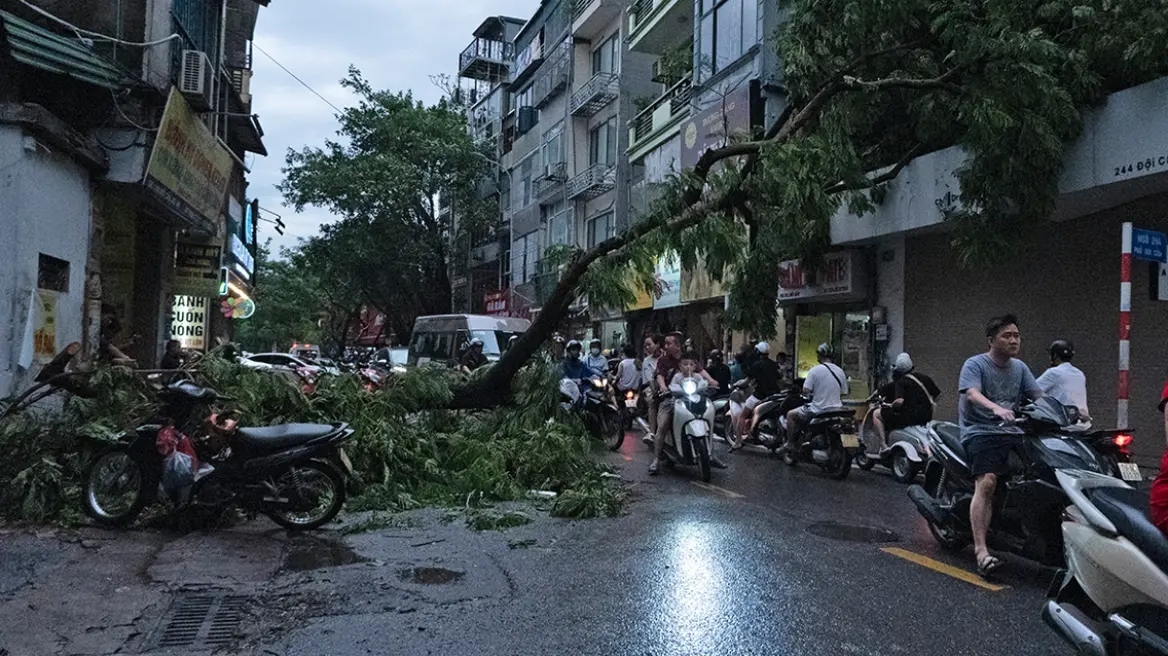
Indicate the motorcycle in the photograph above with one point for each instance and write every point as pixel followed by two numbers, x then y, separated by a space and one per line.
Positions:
pixel 904 450
pixel 1028 501
pixel 829 440
pixel 293 473
pixel 693 421
pixel 598 408
pixel 1112 598
pixel 768 430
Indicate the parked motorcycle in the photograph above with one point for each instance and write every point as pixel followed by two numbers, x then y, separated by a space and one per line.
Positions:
pixel 598 408
pixel 693 422
pixel 1028 502
pixel 1112 598
pixel 293 473
pixel 904 450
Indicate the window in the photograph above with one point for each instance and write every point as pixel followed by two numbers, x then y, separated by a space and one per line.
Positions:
pixel 553 145
pixel 52 274
pixel 606 58
pixel 559 224
pixel 600 228
pixel 524 98
pixel 505 266
pixel 521 189
pixel 728 30
pixel 524 258
pixel 602 143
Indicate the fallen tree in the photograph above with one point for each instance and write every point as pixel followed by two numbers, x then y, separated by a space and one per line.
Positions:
pixel 871 86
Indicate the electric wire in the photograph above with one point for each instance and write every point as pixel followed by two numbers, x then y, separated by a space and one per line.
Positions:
pixel 295 77
pixel 97 35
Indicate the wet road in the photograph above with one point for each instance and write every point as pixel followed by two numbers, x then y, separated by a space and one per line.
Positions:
pixel 756 563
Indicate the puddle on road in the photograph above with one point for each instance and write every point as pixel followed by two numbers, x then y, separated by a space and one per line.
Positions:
pixel 430 575
pixel 309 552
pixel 852 532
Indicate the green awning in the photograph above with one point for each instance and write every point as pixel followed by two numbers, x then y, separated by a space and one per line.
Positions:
pixel 37 47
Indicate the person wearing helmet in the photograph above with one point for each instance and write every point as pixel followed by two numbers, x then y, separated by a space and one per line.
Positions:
pixel 719 370
pixel 667 366
pixel 825 386
pixel 912 396
pixel 1065 382
pixel 512 341
pixel 473 358
pixel 595 357
pixel 763 374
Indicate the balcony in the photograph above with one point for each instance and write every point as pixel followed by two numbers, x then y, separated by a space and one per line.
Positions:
pixel 593 182
pixel 590 17
pixel 654 25
pixel 660 120
pixel 551 180
pixel 595 95
pixel 552 77
pixel 485 59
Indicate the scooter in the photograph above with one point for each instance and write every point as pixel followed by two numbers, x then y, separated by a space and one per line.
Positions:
pixel 1112 598
pixel 693 422
pixel 829 441
pixel 904 450
pixel 1028 502
pixel 597 407
pixel 770 429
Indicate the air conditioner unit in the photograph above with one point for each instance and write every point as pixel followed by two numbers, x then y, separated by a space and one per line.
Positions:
pixel 241 80
pixel 194 79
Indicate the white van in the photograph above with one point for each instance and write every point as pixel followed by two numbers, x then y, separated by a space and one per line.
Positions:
pixel 444 338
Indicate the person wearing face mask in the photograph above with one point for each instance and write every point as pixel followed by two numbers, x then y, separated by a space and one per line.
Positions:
pixel 595 357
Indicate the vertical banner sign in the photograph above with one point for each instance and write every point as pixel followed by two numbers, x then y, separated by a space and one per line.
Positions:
pixel 45 333
pixel 189 321
pixel 196 269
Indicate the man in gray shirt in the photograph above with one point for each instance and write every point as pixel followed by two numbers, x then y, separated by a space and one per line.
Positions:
pixel 991 384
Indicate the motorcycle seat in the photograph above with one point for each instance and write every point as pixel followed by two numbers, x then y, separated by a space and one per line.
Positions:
pixel 1127 508
pixel 950 434
pixel 271 438
pixel 829 415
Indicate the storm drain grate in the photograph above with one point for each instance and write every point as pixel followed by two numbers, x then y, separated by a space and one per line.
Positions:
pixel 203 621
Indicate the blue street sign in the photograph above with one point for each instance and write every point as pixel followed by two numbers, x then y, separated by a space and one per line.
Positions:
pixel 1149 245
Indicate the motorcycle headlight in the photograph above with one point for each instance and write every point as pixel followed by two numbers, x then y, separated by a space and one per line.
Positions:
pixel 598 383
pixel 689 387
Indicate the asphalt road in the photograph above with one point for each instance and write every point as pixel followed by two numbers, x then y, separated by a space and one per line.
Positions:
pixel 765 560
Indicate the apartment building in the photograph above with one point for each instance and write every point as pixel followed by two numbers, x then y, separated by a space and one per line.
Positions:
pixel 124 175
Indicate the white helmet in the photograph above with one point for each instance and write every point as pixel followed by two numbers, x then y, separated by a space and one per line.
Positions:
pixel 763 348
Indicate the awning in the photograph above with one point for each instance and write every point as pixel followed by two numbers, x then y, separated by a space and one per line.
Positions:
pixel 37 47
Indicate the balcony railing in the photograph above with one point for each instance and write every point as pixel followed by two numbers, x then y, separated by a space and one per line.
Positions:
pixel 666 111
pixel 485 59
pixel 551 180
pixel 596 93
pixel 552 76
pixel 594 181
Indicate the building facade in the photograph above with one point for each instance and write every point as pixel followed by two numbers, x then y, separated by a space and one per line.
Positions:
pixel 122 183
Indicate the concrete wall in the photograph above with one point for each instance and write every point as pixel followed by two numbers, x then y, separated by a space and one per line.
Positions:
pixel 45 207
pixel 1065 284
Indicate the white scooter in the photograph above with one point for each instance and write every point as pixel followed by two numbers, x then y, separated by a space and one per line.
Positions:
pixel 693 420
pixel 903 450
pixel 1113 597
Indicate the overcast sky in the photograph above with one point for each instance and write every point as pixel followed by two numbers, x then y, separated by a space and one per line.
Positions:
pixel 397 44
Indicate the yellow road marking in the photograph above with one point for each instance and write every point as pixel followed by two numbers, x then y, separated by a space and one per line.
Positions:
pixel 948 570
pixel 730 494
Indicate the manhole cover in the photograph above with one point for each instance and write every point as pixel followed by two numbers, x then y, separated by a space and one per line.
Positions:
pixel 430 575
pixel 202 621
pixel 308 552
pixel 852 532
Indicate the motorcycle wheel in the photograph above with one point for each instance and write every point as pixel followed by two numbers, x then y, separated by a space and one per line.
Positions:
pixel 329 496
pixel 703 460
pixel 839 461
pixel 946 536
pixel 730 434
pixel 864 462
pixel 903 469
pixel 115 468
pixel 610 429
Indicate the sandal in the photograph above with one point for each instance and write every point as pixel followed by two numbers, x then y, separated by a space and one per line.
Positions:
pixel 988 565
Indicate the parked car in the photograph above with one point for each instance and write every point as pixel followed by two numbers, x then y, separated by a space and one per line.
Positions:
pixel 444 338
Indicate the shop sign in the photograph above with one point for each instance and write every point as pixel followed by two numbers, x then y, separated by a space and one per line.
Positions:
pixel 496 303
pixel 834 277
pixel 245 263
pixel 44 334
pixel 189 169
pixel 810 332
pixel 668 282
pixel 196 269
pixel 710 127
pixel 188 322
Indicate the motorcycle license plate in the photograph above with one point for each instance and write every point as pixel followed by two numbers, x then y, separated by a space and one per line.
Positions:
pixel 345 461
pixel 630 403
pixel 1130 471
pixel 850 440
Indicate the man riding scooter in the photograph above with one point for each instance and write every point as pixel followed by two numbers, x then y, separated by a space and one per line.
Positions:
pixel 1066 383
pixel 912 396
pixel 764 375
pixel 574 369
pixel 668 365
pixel 825 386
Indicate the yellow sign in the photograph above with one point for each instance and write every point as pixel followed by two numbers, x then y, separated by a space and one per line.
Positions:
pixel 810 332
pixel 45 334
pixel 644 297
pixel 189 169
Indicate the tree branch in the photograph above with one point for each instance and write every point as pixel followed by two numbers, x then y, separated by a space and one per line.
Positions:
pixel 887 176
